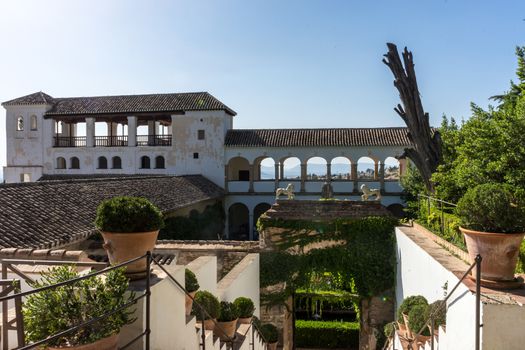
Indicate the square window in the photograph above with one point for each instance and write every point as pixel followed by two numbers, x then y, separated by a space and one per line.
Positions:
pixel 25 177
pixel 196 155
pixel 200 134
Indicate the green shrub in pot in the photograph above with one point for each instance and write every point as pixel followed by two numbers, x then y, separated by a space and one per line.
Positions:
pixel 191 282
pixel 209 302
pixel 407 305
pixel 417 319
pixel 245 306
pixel 228 312
pixel 438 311
pixel 270 333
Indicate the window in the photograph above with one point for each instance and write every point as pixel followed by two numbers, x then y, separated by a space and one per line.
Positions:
pixel 25 177
pixel 33 123
pixel 117 163
pixel 244 175
pixel 61 163
pixel 20 124
pixel 102 163
pixel 200 134
pixel 196 155
pixel 159 162
pixel 144 162
pixel 75 163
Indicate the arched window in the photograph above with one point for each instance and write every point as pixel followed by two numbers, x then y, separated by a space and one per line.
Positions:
pixel 117 163
pixel 144 162
pixel 34 125
pixel 20 123
pixel 159 162
pixel 75 163
pixel 61 163
pixel 102 163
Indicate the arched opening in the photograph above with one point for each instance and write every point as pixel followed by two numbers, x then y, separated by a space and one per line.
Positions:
pixel 159 162
pixel 117 163
pixel 316 169
pixel 397 210
pixel 75 163
pixel 366 168
pixel 291 169
pixel 259 209
pixel 33 123
pixel 102 163
pixel 391 169
pixel 144 162
pixel 238 169
pixel 20 123
pixel 264 169
pixel 341 168
pixel 238 222
pixel 61 163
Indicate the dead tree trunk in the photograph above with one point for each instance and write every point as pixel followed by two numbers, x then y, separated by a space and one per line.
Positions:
pixel 426 150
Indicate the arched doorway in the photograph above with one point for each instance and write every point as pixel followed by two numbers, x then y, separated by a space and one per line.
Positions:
pixel 316 169
pixel 238 169
pixel 257 212
pixel 264 169
pixel 238 222
pixel 391 169
pixel 341 168
pixel 291 169
pixel 366 168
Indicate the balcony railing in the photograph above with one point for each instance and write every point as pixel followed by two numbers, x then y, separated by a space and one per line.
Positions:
pixel 111 141
pixel 153 140
pixel 69 141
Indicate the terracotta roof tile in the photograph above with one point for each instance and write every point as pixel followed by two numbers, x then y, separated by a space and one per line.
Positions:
pixel 37 98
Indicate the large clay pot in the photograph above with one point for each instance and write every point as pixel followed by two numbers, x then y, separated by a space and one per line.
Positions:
pixel 122 247
pixel 108 343
pixel 245 320
pixel 209 324
pixel 189 302
pixel 271 346
pixel 226 330
pixel 499 253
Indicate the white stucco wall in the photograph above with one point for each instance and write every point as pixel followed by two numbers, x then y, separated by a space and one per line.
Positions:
pixel 205 269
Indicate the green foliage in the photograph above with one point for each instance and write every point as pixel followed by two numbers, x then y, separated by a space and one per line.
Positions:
pixel 228 312
pixel 417 319
pixel 128 215
pixel 389 330
pixel 318 300
pixel 190 282
pixel 245 306
pixel 438 311
pixel 493 208
pixel 208 225
pixel 57 309
pixel 327 334
pixel 269 332
pixel 441 220
pixel 209 302
pixel 408 304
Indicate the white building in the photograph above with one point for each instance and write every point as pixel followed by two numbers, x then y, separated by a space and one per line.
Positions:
pixel 192 133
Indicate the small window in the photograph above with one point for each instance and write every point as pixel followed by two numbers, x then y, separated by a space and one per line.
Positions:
pixel 61 163
pixel 159 162
pixel 34 125
pixel 20 124
pixel 196 155
pixel 244 175
pixel 102 163
pixel 200 134
pixel 117 163
pixel 144 162
pixel 75 163
pixel 24 177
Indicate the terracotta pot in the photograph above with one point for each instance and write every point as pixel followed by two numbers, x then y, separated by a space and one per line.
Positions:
pixel 225 330
pixel 245 320
pixel 189 302
pixel 209 324
pixel 271 346
pixel 498 250
pixel 402 329
pixel 408 331
pixel 122 247
pixel 108 343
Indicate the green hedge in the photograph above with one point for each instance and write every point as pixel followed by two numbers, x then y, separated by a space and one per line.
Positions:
pixel 327 334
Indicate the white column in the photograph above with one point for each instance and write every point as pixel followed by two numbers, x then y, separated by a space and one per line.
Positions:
pixel 250 223
pixel 132 131
pixel 90 132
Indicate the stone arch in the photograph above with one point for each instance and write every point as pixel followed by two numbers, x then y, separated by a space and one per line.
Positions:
pixel 102 163
pixel 391 166
pixel 20 123
pixel 264 168
pixel 61 163
pixel 238 169
pixel 367 168
pixel 341 168
pixel 290 168
pixel 159 162
pixel 397 210
pixel 74 163
pixel 116 162
pixel 238 222
pixel 33 123
pixel 145 162
pixel 316 169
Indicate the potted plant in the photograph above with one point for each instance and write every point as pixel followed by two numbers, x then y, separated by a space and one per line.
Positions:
pixel 129 226
pixel 492 220
pixel 246 309
pixel 227 321
pixel 55 310
pixel 210 304
pixel 192 285
pixel 404 310
pixel 269 332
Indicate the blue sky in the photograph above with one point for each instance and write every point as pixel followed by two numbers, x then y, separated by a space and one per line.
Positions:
pixel 281 64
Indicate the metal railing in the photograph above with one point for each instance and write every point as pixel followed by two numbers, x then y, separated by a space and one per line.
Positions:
pixel 111 141
pixel 69 141
pixel 154 140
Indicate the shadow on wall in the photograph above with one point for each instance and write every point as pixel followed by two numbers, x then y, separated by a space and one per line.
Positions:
pixel 208 225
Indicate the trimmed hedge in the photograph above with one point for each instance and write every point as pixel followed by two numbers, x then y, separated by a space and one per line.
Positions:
pixel 327 334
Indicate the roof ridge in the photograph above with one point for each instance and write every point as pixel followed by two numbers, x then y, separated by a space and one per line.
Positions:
pixel 131 95
pixel 85 180
pixel 298 129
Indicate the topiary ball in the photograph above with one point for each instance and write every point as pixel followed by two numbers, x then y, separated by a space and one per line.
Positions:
pixel 245 306
pixel 208 302
pixel 407 305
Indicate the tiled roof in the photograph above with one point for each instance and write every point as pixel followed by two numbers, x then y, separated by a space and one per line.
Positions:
pixel 177 102
pixel 51 213
pixel 317 137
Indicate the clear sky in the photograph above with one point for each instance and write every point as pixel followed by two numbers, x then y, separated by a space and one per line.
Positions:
pixel 279 64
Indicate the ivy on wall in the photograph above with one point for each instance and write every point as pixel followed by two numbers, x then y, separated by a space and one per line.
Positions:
pixel 208 225
pixel 364 255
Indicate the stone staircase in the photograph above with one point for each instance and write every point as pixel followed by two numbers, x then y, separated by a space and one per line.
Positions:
pixel 404 340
